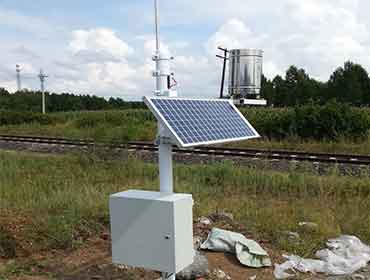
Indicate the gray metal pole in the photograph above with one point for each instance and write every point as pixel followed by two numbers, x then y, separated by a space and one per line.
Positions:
pixel 19 84
pixel 42 77
pixel 156 25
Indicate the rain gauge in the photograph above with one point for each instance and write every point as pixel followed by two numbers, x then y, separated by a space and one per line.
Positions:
pixel 154 230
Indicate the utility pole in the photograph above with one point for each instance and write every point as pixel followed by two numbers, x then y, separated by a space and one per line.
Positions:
pixel 225 58
pixel 42 77
pixel 18 72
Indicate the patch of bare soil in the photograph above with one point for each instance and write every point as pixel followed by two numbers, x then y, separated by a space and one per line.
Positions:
pixel 28 277
pixel 93 260
pixel 230 265
pixel 14 224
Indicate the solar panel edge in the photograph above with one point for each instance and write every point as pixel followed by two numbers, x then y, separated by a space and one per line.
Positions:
pixel 189 136
pixel 188 99
pixel 245 119
pixel 229 140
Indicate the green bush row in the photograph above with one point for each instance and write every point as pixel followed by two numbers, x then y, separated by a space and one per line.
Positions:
pixel 331 121
pixel 113 118
pixel 17 118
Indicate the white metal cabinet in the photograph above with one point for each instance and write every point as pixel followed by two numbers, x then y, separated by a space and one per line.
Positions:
pixel 152 230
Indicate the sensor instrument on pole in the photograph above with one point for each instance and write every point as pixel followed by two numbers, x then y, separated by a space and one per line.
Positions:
pixel 18 73
pixel 42 78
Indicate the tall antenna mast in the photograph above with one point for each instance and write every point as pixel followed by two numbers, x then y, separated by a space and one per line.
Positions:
pixel 42 77
pixel 156 26
pixel 18 71
pixel 162 71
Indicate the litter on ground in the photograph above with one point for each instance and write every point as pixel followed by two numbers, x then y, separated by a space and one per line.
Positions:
pixel 343 256
pixel 248 252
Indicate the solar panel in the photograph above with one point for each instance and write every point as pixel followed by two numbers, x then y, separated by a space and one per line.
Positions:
pixel 194 122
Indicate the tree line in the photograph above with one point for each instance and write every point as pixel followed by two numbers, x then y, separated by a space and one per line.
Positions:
pixel 30 101
pixel 349 84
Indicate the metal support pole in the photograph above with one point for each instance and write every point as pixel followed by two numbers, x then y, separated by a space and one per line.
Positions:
pixel 160 82
pixel 18 71
pixel 223 78
pixel 43 99
pixel 156 25
pixel 165 168
pixel 223 70
pixel 158 85
pixel 42 77
pixel 165 179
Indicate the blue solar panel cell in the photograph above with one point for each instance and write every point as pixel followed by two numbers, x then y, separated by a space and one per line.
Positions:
pixel 197 122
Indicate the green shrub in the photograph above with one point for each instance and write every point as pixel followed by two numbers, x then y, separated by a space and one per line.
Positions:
pixel 330 122
pixel 113 118
pixel 17 118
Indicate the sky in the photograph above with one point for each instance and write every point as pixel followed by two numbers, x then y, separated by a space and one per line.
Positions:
pixel 105 47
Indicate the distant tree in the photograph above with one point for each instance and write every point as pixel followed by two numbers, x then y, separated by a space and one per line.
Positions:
pixel 280 92
pixel 31 101
pixel 267 90
pixel 3 92
pixel 350 84
pixel 301 89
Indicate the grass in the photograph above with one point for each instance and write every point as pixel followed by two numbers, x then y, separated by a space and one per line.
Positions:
pixel 118 126
pixel 59 201
pixel 344 146
pixel 130 125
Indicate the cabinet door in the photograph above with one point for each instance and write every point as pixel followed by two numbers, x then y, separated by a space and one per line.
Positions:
pixel 142 233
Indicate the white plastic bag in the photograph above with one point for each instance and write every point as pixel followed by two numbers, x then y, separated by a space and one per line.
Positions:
pixel 248 252
pixel 344 255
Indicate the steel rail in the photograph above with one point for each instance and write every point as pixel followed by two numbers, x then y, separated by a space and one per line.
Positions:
pixel 211 151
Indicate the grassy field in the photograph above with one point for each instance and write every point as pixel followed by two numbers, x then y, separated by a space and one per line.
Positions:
pixel 130 125
pixel 101 126
pixel 57 202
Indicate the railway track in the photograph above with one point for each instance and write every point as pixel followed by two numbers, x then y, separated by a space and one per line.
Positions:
pixel 274 155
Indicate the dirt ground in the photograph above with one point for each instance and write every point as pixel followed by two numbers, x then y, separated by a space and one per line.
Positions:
pixel 93 259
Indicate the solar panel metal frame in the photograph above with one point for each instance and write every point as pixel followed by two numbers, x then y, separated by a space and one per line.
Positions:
pixel 153 108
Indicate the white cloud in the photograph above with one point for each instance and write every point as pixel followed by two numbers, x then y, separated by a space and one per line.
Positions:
pixel 10 85
pixel 328 33
pixel 99 42
pixel 235 34
pixel 96 62
pixel 317 35
pixel 150 46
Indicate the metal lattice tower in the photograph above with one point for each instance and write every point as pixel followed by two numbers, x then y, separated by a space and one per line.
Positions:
pixel 42 78
pixel 18 71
